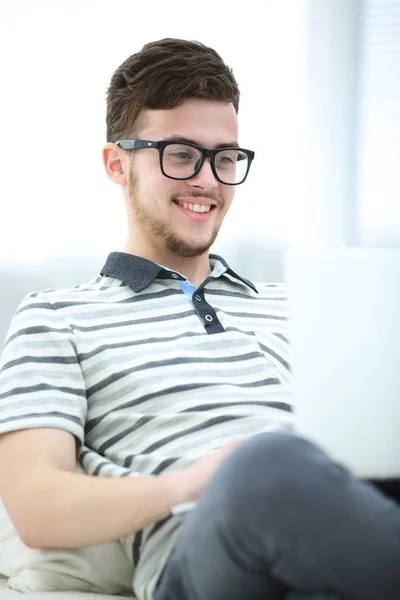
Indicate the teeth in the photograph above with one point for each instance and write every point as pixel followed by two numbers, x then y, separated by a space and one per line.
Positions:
pixel 200 208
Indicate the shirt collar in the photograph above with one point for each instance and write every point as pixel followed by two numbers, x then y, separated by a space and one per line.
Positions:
pixel 139 273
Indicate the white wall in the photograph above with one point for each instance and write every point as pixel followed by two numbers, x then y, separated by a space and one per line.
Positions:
pixel 380 117
pixel 57 59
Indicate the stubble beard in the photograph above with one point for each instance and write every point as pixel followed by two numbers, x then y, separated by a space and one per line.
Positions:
pixel 160 230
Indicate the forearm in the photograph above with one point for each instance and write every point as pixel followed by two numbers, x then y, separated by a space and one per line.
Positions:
pixel 54 507
pixel 70 510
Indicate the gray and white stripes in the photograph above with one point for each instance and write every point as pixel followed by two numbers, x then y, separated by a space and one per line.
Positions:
pixel 138 380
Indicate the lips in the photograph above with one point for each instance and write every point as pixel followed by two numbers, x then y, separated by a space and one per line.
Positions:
pixel 197 211
pixel 198 207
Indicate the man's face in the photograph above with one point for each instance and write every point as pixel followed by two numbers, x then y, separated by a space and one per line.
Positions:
pixel 161 207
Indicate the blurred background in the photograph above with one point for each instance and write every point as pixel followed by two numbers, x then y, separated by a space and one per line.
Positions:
pixel 60 216
pixel 57 60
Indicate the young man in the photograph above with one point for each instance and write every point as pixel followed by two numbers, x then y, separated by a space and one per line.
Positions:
pixel 167 376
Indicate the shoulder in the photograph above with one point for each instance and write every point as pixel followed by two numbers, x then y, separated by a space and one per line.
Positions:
pixel 98 289
pixel 40 311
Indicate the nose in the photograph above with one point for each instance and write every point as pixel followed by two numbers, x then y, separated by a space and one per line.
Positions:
pixel 205 177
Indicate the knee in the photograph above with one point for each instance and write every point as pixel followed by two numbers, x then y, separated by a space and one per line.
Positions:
pixel 283 456
pixel 276 471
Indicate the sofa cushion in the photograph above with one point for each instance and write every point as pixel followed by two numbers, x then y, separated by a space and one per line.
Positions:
pixel 7 594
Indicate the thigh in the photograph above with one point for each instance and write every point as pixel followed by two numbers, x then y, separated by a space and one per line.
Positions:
pixel 206 565
pixel 280 515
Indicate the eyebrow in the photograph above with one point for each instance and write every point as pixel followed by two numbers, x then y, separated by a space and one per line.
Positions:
pixel 180 138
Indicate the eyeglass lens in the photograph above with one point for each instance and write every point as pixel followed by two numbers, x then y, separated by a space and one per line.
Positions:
pixel 181 161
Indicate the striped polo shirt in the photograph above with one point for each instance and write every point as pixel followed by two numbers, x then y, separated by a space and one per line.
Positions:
pixel 149 376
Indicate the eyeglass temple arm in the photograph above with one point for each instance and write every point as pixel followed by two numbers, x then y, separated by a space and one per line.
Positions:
pixel 134 144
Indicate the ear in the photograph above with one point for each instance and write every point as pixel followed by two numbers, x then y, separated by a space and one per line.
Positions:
pixel 116 164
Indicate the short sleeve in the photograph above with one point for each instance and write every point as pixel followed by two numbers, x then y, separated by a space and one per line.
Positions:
pixel 41 381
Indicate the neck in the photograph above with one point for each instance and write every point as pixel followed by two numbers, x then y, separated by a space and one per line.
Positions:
pixel 196 269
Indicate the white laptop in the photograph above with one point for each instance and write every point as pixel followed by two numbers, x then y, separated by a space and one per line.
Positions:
pixel 346 355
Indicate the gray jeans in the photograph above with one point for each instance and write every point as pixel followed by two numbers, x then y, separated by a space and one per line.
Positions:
pixel 280 520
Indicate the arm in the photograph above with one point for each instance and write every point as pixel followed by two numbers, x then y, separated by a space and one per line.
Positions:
pixel 51 506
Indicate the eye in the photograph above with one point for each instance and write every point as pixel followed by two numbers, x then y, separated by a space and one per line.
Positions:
pixel 227 158
pixel 180 153
pixel 183 155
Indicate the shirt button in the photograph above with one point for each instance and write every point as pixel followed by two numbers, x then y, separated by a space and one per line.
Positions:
pixel 208 318
pixel 198 297
pixel 174 275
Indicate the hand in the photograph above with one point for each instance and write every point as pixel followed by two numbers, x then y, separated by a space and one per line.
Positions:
pixel 187 485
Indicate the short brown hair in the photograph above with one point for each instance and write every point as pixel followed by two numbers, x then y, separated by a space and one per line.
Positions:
pixel 162 75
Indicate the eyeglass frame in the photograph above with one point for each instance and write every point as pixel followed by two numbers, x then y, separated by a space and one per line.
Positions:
pixel 205 153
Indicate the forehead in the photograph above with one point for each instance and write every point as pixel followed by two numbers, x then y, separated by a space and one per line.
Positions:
pixel 207 122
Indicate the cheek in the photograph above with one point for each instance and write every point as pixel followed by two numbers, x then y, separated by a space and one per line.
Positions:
pixel 160 191
pixel 153 185
pixel 227 195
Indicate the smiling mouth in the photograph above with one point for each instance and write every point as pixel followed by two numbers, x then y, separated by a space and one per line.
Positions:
pixel 195 207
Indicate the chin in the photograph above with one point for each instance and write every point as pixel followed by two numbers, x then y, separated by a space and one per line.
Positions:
pixel 189 250
pixel 189 247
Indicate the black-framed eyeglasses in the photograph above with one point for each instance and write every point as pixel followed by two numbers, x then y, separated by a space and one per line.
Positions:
pixel 183 160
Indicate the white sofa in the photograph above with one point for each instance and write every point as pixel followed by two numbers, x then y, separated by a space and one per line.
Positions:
pixel 7 594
